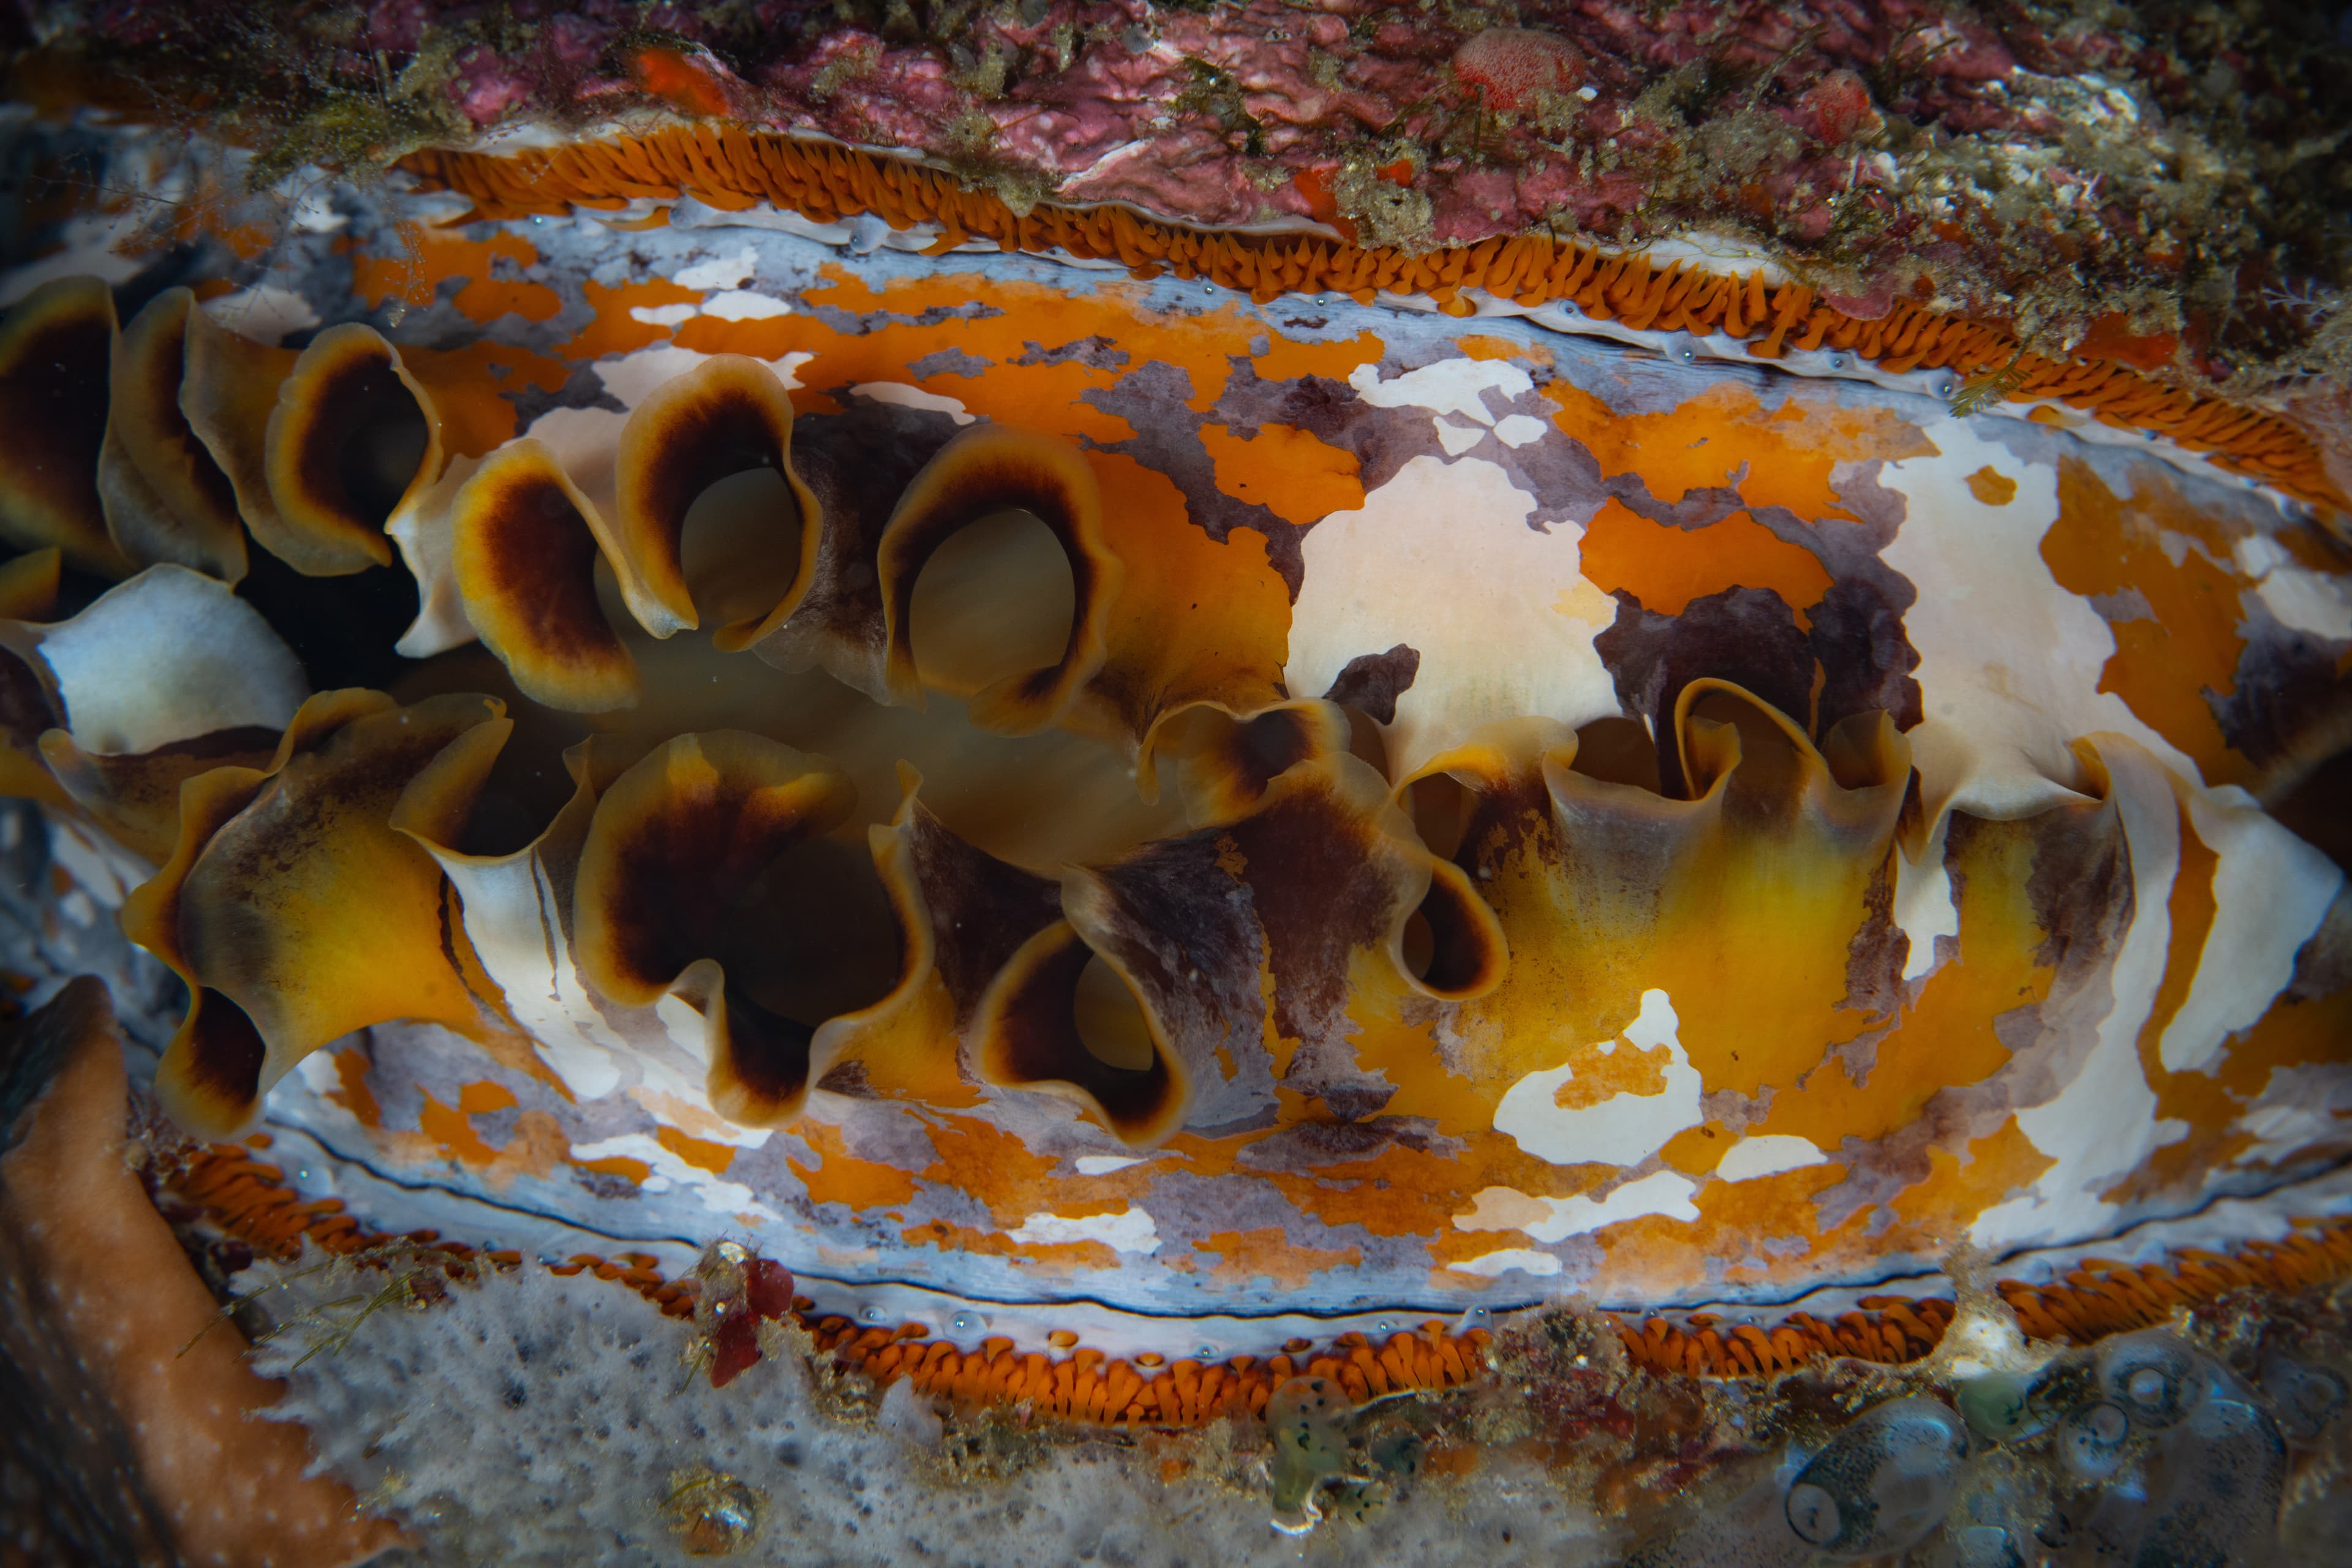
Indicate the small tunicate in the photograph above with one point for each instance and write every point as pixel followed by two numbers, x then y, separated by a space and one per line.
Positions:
pixel 1308 1448
pixel 2214 1491
pixel 1394 1461
pixel 1976 1546
pixel 2303 1398
pixel 2157 1377
pixel 1752 1532
pixel 2096 1528
pixel 1814 1513
pixel 2091 1441
pixel 1999 1406
pixel 1882 1483
pixel 1398 1453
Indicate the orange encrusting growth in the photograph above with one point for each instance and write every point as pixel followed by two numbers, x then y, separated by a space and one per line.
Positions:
pixel 249 1199
pixel 732 168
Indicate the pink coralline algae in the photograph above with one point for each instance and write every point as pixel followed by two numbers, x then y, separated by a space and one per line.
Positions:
pixel 1512 68
pixel 2139 165
pixel 485 92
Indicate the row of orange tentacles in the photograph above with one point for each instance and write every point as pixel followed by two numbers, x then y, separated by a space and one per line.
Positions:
pixel 2096 1299
pixel 732 168
pixel 248 1198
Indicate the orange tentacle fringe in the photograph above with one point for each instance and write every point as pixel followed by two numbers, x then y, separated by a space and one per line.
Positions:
pixel 248 1198
pixel 730 167
pixel 2097 1298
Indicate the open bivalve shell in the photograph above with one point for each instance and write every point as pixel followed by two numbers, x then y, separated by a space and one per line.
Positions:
pixel 1235 840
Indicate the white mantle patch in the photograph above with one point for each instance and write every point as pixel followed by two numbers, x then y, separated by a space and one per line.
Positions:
pixel 743 305
pixel 1130 1232
pixel 906 396
pixel 729 1198
pixel 2271 890
pixel 1518 1259
pixel 2102 1123
pixel 1441 559
pixel 1768 1155
pixel 2011 663
pixel 1548 1220
pixel 1450 386
pixel 1623 1129
pixel 2296 596
pixel 719 272
pixel 1925 906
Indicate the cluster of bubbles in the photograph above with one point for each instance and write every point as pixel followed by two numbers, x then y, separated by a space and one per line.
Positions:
pixel 2143 1453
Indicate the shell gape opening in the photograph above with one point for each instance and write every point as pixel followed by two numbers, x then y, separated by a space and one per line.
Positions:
pixel 1084 787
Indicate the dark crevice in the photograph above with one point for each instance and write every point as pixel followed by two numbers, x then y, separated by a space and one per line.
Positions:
pixel 341 628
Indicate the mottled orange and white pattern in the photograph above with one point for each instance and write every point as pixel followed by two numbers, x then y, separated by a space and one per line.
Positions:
pixel 1836 828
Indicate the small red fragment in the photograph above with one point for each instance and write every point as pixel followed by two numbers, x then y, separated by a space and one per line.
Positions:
pixel 2111 337
pixel 735 1347
pixel 768 1288
pixel 1511 66
pixel 679 80
pixel 1314 188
